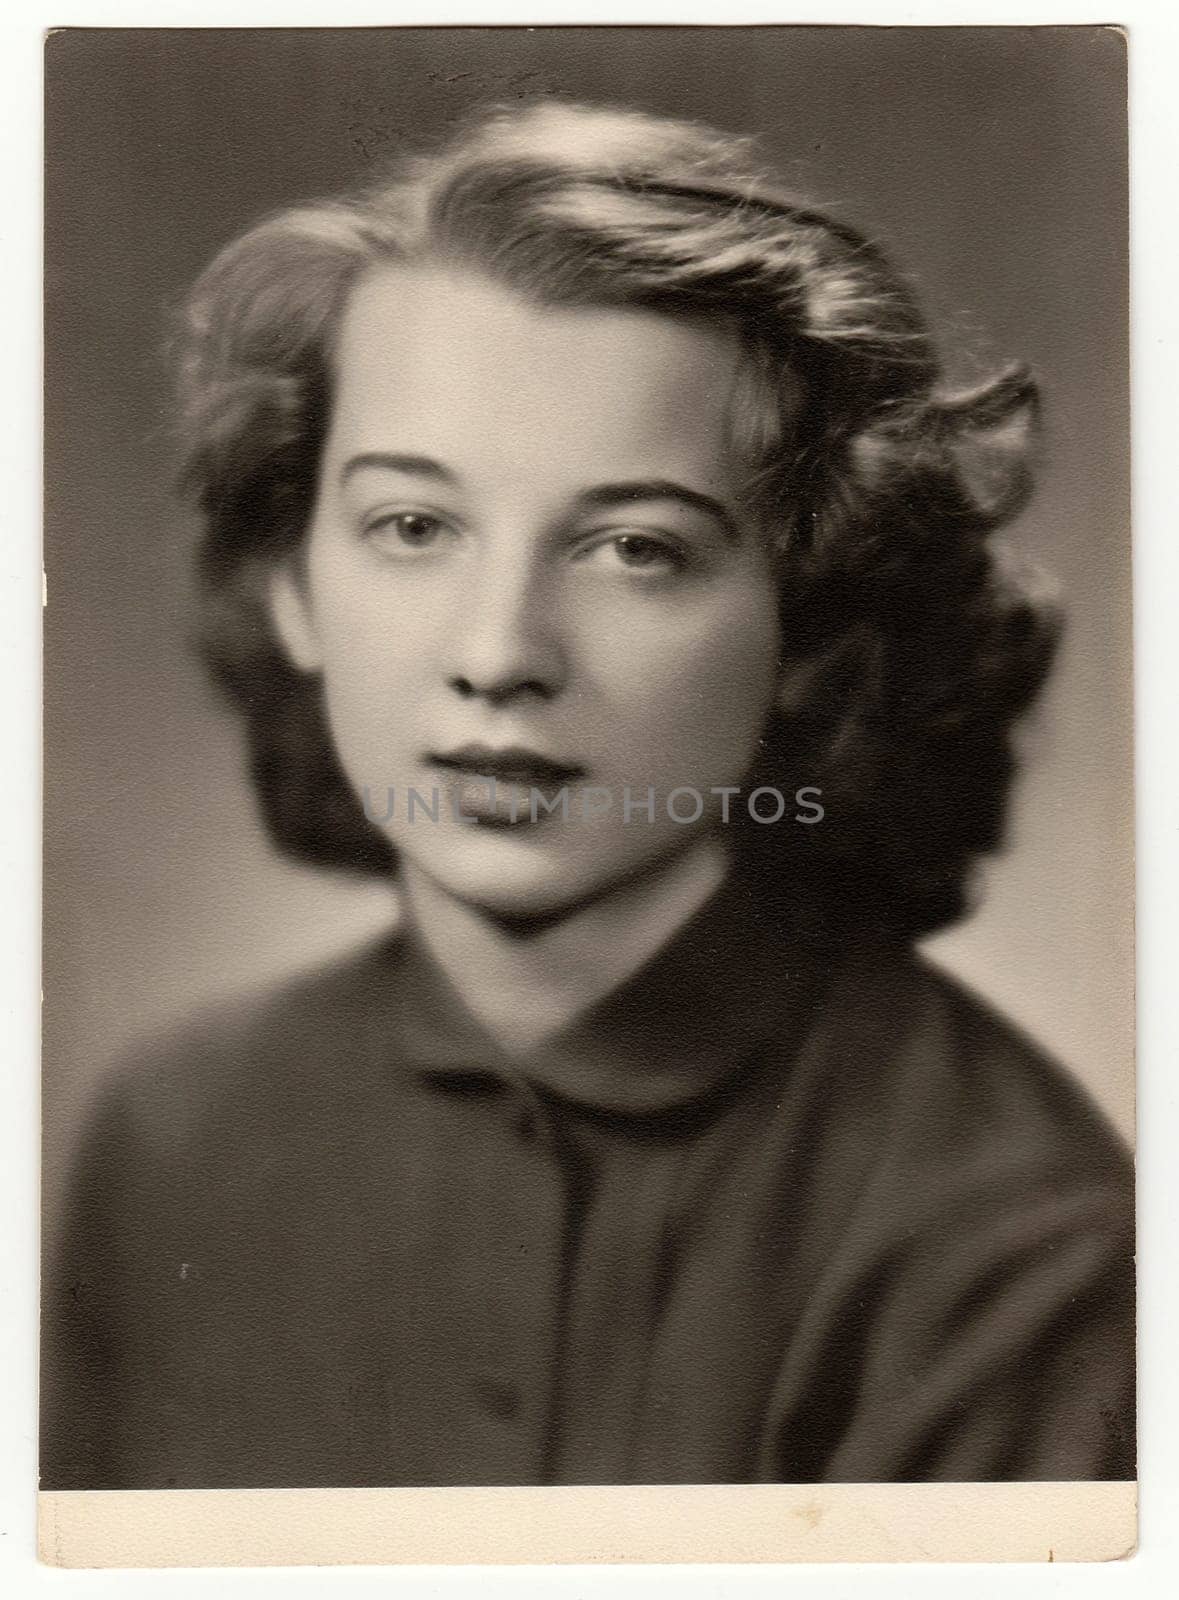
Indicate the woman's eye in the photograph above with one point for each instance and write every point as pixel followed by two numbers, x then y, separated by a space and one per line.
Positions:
pixel 644 552
pixel 413 530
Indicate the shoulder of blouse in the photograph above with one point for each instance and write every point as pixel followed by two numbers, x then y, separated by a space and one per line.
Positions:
pixel 957 1089
pixel 251 1055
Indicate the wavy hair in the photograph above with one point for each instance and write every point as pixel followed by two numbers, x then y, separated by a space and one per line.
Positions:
pixel 918 647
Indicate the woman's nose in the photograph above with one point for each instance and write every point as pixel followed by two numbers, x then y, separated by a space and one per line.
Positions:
pixel 504 642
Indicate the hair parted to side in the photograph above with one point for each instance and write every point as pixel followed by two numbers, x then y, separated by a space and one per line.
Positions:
pixel 879 486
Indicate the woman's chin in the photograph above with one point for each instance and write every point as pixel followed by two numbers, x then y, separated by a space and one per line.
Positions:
pixel 518 877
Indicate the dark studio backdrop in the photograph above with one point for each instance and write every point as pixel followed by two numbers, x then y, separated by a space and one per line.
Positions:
pixel 992 162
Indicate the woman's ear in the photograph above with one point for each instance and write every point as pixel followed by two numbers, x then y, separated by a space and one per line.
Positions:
pixel 290 612
pixel 799 676
pixel 797 679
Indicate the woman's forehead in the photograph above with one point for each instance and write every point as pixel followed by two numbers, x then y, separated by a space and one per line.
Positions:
pixel 442 350
pixel 427 299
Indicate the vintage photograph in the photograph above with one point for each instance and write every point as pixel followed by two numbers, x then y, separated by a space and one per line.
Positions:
pixel 589 861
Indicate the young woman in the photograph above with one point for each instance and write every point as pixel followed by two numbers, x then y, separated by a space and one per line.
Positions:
pixel 589 540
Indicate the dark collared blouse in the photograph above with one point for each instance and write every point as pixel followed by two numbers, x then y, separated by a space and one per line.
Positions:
pixel 756 1217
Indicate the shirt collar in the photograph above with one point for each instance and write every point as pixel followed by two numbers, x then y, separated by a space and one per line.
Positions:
pixel 671 1034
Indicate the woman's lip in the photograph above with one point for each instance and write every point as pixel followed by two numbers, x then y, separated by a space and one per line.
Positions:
pixel 507 766
pixel 500 795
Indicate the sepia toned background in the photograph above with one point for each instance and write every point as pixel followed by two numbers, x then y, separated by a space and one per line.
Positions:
pixel 991 161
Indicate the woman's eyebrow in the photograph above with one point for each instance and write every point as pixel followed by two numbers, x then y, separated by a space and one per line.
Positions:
pixel 602 495
pixel 421 466
pixel 613 494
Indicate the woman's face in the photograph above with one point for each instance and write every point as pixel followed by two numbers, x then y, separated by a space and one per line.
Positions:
pixel 528 561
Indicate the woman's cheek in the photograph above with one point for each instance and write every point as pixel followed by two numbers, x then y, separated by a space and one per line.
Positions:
pixel 722 654
pixel 701 693
pixel 379 628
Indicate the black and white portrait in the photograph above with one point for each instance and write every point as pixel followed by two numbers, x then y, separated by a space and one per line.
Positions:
pixel 588 898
